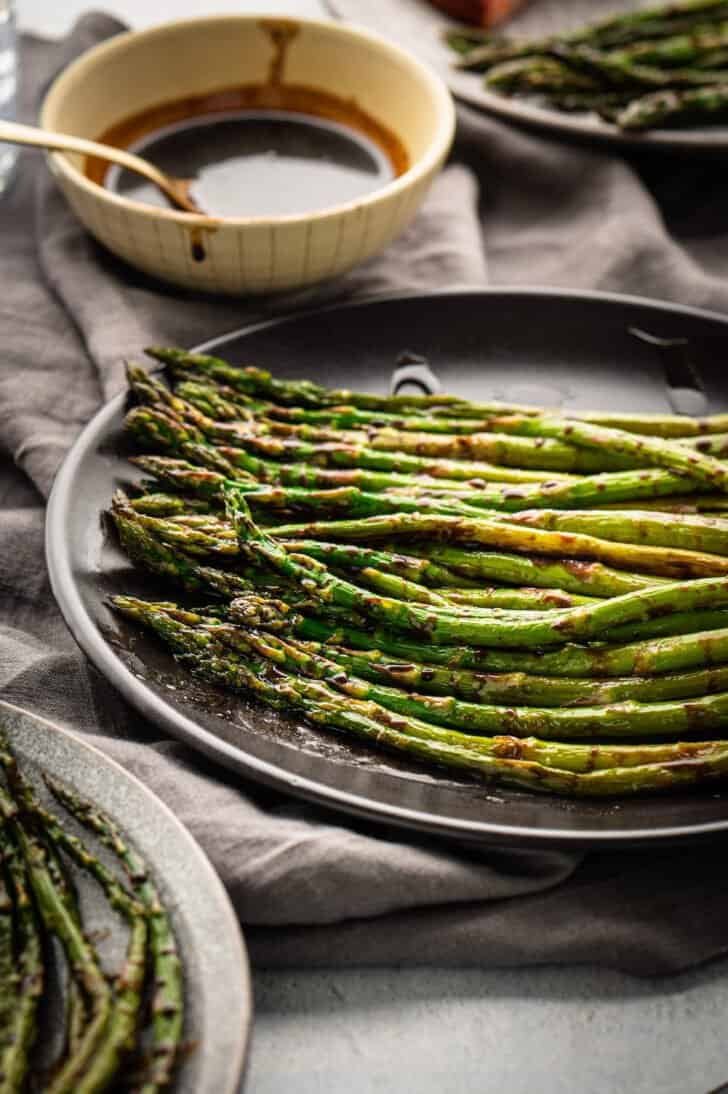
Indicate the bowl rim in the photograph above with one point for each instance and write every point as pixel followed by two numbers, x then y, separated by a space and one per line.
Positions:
pixel 425 164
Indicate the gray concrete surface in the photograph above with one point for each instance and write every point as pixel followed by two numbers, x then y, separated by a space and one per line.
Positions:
pixel 550 1031
pixel 432 1031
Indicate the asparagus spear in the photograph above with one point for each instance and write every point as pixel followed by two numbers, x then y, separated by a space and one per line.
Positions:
pixel 168 1003
pixel 22 1030
pixel 490 758
pixel 644 658
pixel 304 393
pixel 692 533
pixel 600 489
pixel 8 975
pixel 152 427
pixel 655 451
pixel 615 31
pixel 538 73
pixel 618 70
pixel 260 384
pixel 680 49
pixel 674 107
pixel 503 689
pixel 523 688
pixel 589 490
pixel 158 504
pixel 524 597
pixel 120 1037
pixel 572 575
pixel 583 622
pixel 81 953
pixel 669 562
pixel 351 556
pixel 623 719
pixel 222 403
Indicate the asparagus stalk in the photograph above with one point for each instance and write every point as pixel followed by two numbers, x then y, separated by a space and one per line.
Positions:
pixel 669 562
pixel 120 1037
pixel 260 384
pixel 524 598
pixel 23 1026
pixel 231 380
pixel 168 1002
pixel 81 953
pixel 692 533
pixel 218 403
pixel 519 687
pixel 499 690
pixel 653 451
pixel 8 973
pixel 681 49
pixel 154 427
pixel 671 107
pixel 350 500
pixel 491 759
pixel 158 504
pixel 572 575
pixel 605 34
pixel 583 622
pixel 304 393
pixel 158 429
pixel 618 70
pixel 643 658
pixel 623 719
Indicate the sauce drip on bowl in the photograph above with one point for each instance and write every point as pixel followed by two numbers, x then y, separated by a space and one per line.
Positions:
pixel 257 151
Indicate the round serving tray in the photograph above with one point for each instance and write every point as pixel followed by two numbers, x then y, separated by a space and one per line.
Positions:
pixel 550 348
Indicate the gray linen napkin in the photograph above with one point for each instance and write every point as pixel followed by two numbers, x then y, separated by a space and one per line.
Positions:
pixel 311 886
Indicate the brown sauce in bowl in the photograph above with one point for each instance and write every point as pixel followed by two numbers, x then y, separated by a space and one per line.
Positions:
pixel 257 151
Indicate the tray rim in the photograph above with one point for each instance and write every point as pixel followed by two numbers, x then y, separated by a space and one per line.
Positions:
pixel 101 655
pixel 195 851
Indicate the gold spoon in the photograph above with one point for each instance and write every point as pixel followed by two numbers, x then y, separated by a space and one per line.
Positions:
pixel 177 190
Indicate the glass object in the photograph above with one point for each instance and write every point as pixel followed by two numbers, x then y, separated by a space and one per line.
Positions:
pixel 8 86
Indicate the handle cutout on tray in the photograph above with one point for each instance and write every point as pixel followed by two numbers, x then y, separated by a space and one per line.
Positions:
pixel 685 389
pixel 413 370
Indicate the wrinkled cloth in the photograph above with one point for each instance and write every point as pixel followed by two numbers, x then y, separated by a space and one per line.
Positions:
pixel 312 886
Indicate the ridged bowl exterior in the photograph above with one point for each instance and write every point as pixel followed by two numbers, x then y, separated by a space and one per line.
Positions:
pixel 138 70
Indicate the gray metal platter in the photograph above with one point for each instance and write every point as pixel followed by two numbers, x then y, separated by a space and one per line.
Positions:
pixel 551 348
pixel 417 26
pixel 217 979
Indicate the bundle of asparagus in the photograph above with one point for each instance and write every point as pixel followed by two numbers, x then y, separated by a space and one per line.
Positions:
pixel 656 66
pixel 106 1040
pixel 465 583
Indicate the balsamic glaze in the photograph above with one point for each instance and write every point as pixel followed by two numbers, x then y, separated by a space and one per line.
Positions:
pixel 260 163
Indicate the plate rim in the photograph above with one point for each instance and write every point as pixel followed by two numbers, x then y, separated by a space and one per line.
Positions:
pixel 101 655
pixel 240 954
pixel 529 115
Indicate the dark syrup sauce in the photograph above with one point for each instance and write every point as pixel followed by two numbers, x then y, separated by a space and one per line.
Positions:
pixel 258 151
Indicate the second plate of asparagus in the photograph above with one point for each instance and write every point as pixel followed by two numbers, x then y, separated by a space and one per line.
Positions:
pixel 472 593
pixel 110 979
pixel 640 72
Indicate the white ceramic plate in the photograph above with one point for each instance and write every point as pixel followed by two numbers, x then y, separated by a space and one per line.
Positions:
pixel 217 980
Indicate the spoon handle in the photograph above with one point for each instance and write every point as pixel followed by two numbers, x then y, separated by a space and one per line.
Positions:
pixel 14 133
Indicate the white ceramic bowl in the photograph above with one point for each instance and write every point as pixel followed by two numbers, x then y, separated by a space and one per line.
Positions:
pixel 139 70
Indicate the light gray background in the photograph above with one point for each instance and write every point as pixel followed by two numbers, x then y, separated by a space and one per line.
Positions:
pixel 571 1031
